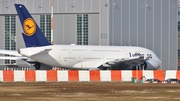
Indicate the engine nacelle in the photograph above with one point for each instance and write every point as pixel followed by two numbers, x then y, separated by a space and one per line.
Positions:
pixel 151 65
pixel 42 66
pixel 39 66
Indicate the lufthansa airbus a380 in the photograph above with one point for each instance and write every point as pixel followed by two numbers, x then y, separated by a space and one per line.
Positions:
pixel 81 57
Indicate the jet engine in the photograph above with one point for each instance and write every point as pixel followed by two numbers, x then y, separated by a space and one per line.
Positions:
pixel 40 66
pixel 150 65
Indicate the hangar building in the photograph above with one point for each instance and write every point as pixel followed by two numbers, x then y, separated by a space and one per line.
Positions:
pixel 147 23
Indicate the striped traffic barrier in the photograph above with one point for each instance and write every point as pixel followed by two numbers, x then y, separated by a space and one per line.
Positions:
pixel 77 75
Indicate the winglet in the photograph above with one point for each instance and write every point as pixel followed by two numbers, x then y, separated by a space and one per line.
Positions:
pixel 33 36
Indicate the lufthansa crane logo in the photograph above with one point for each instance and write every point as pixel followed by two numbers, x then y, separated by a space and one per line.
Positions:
pixel 29 27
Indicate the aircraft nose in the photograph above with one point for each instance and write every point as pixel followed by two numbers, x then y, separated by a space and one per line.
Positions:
pixel 159 64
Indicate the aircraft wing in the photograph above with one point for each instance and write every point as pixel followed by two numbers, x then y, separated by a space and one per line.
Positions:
pixel 104 64
pixel 10 52
pixel 13 58
pixel 17 56
pixel 128 63
pixel 130 60
pixel 10 58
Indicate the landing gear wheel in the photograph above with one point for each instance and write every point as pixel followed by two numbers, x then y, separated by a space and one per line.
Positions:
pixel 37 65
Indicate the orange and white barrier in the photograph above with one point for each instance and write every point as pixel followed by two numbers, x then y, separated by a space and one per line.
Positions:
pixel 172 74
pixel 77 75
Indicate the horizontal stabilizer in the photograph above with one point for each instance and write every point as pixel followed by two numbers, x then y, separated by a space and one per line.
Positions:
pixel 10 52
pixel 30 52
pixel 10 58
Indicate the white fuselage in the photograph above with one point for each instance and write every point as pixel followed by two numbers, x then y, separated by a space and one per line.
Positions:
pixel 84 57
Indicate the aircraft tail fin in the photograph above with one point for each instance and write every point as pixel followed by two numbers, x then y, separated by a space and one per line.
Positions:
pixel 33 36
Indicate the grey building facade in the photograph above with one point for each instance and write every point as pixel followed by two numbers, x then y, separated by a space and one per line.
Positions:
pixel 146 23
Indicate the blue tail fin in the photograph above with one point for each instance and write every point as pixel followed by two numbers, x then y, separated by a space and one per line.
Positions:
pixel 33 37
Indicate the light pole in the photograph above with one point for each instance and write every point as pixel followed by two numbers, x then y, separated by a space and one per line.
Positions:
pixel 52 22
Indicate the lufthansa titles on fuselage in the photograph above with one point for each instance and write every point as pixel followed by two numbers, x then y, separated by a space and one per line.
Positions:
pixel 139 54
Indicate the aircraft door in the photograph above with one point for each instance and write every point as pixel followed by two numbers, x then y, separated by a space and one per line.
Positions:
pixel 69 51
pixel 79 60
pixel 125 52
pixel 62 61
pixel 60 58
